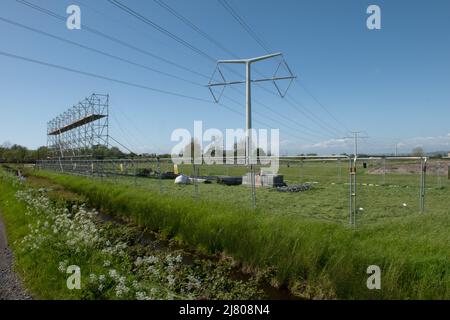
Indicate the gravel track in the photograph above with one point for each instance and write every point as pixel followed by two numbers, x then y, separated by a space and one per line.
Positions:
pixel 10 285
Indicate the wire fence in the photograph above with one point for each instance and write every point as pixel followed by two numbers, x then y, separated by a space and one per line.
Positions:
pixel 336 189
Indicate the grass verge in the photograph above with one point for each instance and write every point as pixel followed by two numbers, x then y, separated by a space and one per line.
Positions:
pixel 49 235
pixel 316 258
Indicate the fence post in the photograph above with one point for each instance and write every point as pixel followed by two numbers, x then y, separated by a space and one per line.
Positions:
pixel 101 169
pixel 352 198
pixel 438 173
pixel 158 168
pixel 423 172
pixel 135 173
pixel 195 174
pixel 60 164
pixel 301 171
pixel 339 171
pixel 253 177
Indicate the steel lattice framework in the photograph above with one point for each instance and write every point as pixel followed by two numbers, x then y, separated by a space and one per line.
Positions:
pixel 81 129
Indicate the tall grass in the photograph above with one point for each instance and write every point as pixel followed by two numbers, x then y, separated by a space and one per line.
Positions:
pixel 316 258
pixel 46 237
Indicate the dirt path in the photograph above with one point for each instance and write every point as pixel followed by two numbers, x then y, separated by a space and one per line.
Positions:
pixel 10 284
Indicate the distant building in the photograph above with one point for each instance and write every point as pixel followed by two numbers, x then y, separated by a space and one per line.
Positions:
pixel 448 155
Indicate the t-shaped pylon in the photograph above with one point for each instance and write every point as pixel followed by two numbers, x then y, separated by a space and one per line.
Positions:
pixel 248 81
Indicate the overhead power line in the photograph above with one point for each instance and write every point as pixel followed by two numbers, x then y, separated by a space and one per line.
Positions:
pixel 176 14
pixel 244 25
pixel 298 130
pixel 266 47
pixel 94 31
pixel 321 104
pixel 93 75
pixel 166 32
pixel 182 18
pixel 110 38
pixel 123 23
pixel 89 74
pixel 156 26
pixel 193 27
pixel 125 133
pixel 96 51
pixel 88 48
pixel 211 39
pixel 312 117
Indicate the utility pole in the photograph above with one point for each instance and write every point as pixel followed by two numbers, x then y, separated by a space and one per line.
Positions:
pixel 248 88
pixel 356 135
pixel 248 98
pixel 248 109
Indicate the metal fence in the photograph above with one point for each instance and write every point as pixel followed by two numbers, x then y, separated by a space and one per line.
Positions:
pixel 335 188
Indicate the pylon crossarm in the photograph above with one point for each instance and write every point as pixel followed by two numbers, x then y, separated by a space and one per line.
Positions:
pixel 251 60
pixel 218 84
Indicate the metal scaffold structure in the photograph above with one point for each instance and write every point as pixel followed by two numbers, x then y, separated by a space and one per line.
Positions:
pixel 80 130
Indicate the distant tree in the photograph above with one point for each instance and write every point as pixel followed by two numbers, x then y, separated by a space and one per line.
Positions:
pixel 102 152
pixel 115 152
pixel 6 145
pixel 16 154
pixel 418 152
pixel 20 154
pixel 41 153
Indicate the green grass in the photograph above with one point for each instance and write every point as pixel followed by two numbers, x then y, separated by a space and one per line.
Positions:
pixel 380 196
pixel 44 282
pixel 318 258
pixel 33 215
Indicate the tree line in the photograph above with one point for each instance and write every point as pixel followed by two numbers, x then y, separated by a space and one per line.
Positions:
pixel 14 153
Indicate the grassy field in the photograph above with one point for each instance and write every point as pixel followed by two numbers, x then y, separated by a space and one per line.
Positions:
pixel 380 196
pixel 50 229
pixel 303 237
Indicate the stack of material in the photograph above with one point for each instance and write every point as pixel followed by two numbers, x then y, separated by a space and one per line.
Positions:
pixel 264 180
pixel 229 181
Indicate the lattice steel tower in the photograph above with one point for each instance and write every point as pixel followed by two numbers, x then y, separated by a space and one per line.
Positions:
pixel 81 129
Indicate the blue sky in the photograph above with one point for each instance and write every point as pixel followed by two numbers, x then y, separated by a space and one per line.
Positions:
pixel 391 83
